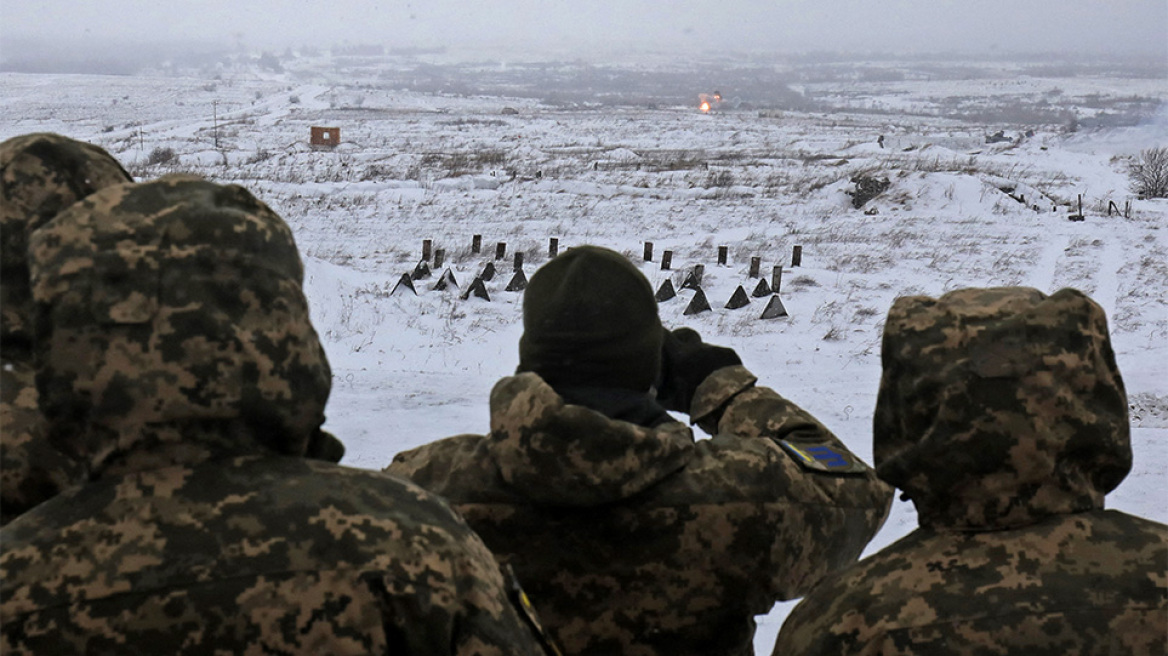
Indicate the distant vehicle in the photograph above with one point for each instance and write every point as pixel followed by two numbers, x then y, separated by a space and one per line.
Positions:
pixel 708 102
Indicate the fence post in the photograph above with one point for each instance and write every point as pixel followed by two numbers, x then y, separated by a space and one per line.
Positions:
pixel 648 251
pixel 500 250
pixel 666 260
pixel 518 261
pixel 723 252
pixel 776 278
pixel 553 247
pixel 476 243
pixel 439 256
pixel 755 262
pixel 426 244
pixel 797 256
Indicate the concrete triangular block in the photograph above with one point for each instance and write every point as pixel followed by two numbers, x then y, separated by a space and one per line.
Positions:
pixel 488 272
pixel 404 282
pixel 763 288
pixel 665 291
pixel 447 281
pixel 421 271
pixel 518 282
pixel 738 299
pixel 692 281
pixel 697 304
pixel 774 309
pixel 477 289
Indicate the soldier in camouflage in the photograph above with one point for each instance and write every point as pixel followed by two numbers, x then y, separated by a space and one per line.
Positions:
pixel 630 536
pixel 1003 417
pixel 40 175
pixel 177 359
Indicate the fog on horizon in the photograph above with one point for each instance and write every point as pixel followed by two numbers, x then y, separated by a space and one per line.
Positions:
pixel 557 27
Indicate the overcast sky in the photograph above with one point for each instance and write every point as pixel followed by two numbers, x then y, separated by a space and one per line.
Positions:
pixel 910 26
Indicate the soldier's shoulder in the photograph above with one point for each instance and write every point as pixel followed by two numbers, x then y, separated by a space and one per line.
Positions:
pixel 431 464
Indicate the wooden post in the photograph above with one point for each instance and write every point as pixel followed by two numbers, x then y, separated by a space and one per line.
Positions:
pixel 648 251
pixel 426 244
pixel 553 247
pixel 776 279
pixel 476 243
pixel 500 250
pixel 1127 209
pixel 698 271
pixel 723 251
pixel 797 256
pixel 1080 204
pixel 666 260
pixel 755 262
pixel 439 256
pixel 518 261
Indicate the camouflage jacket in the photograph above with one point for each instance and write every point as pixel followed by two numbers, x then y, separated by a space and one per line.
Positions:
pixel 177 360
pixel 1085 583
pixel 41 174
pixel 250 555
pixel 637 540
pixel 1003 417
pixel 32 470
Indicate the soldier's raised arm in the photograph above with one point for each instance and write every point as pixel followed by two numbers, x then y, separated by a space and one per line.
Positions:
pixel 833 502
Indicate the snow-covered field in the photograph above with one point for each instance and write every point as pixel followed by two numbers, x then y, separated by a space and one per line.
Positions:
pixel 760 179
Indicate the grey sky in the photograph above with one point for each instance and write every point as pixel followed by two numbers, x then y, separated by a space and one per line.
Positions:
pixel 910 26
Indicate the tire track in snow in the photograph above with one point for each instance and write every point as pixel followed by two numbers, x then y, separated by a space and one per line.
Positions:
pixel 1107 275
pixel 1042 276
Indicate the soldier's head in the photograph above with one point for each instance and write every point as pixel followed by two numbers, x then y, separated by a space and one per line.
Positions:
pixel 174 305
pixel 998 406
pixel 590 320
pixel 40 175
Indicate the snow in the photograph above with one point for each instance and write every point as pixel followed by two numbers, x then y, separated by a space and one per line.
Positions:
pixel 409 368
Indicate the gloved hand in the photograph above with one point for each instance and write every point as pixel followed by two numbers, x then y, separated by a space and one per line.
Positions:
pixel 323 445
pixel 685 362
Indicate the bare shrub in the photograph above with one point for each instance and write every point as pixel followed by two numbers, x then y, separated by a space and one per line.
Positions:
pixel 260 155
pixel 867 188
pixel 161 155
pixel 720 179
pixel 1149 173
pixel 802 282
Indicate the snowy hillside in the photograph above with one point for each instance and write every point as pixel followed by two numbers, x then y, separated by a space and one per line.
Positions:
pixel 517 169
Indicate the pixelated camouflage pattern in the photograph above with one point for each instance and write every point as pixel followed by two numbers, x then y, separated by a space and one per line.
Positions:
pixel 180 360
pixel 634 540
pixel 172 302
pixel 1091 584
pixel 998 406
pixel 33 471
pixel 1003 416
pixel 40 174
pixel 252 555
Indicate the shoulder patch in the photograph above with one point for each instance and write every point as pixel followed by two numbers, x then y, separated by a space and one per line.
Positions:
pixel 823 458
pixel 522 604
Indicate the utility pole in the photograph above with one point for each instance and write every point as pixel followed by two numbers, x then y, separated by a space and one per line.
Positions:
pixel 215 119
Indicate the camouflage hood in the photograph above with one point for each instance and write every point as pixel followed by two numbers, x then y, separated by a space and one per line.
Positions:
pixel 556 453
pixel 1000 406
pixel 171 320
pixel 40 175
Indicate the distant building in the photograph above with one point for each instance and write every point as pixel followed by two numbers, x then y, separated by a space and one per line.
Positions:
pixel 325 137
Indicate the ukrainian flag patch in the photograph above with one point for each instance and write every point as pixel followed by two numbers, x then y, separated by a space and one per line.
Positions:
pixel 823 458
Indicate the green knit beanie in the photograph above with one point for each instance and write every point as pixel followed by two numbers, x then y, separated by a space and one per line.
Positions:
pixel 590 319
